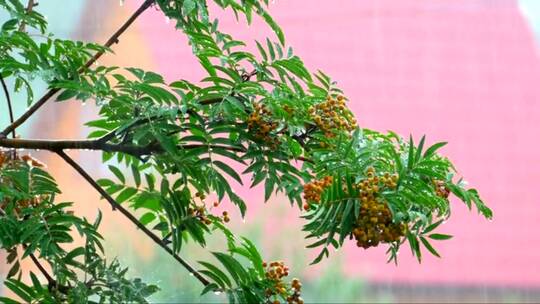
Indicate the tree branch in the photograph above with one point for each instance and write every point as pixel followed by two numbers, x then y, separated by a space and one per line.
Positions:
pixel 101 145
pixel 98 144
pixel 131 217
pixel 113 39
pixel 8 101
pixel 42 269
pixel 29 8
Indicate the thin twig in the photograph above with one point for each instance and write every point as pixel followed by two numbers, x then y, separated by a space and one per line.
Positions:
pixel 51 92
pixel 8 101
pixel 29 8
pixel 42 269
pixel 131 217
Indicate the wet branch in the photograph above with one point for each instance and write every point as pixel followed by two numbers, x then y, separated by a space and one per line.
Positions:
pixel 9 105
pixel 116 206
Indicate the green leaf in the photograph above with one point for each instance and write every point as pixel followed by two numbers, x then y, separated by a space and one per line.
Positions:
pixel 67 94
pixel 147 218
pixel 117 173
pixel 275 27
pixel 217 272
pixel 136 175
pixel 410 161
pixel 419 149
pixel 125 195
pixel 429 247
pixel 188 6
pixel 432 226
pixel 235 269
pixel 431 150
pixel 230 171
pixel 440 237
pixel 268 188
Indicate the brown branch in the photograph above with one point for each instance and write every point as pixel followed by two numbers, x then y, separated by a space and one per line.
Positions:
pixel 51 92
pixel 99 144
pixel 8 101
pixel 131 217
pixel 42 269
pixel 55 145
pixel 29 8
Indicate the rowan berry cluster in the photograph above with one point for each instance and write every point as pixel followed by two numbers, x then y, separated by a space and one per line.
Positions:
pixel 314 190
pixel 440 188
pixel 261 125
pixel 9 158
pixel 201 212
pixel 332 115
pixel 275 272
pixel 375 223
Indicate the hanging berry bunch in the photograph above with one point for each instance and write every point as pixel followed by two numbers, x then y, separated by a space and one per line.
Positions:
pixel 440 188
pixel 275 272
pixel 375 224
pixel 332 115
pixel 10 158
pixel 261 125
pixel 314 190
pixel 201 212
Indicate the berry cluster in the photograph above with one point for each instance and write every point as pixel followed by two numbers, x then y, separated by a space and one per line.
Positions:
pixel 314 190
pixel 374 224
pixel 440 188
pixel 261 125
pixel 332 115
pixel 9 158
pixel 275 272
pixel 201 211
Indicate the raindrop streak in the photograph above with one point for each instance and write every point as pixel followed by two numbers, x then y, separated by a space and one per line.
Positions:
pixel 121 2
pixel 167 20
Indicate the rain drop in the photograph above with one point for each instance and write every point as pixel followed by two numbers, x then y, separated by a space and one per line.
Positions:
pixel 217 293
pixel 167 20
